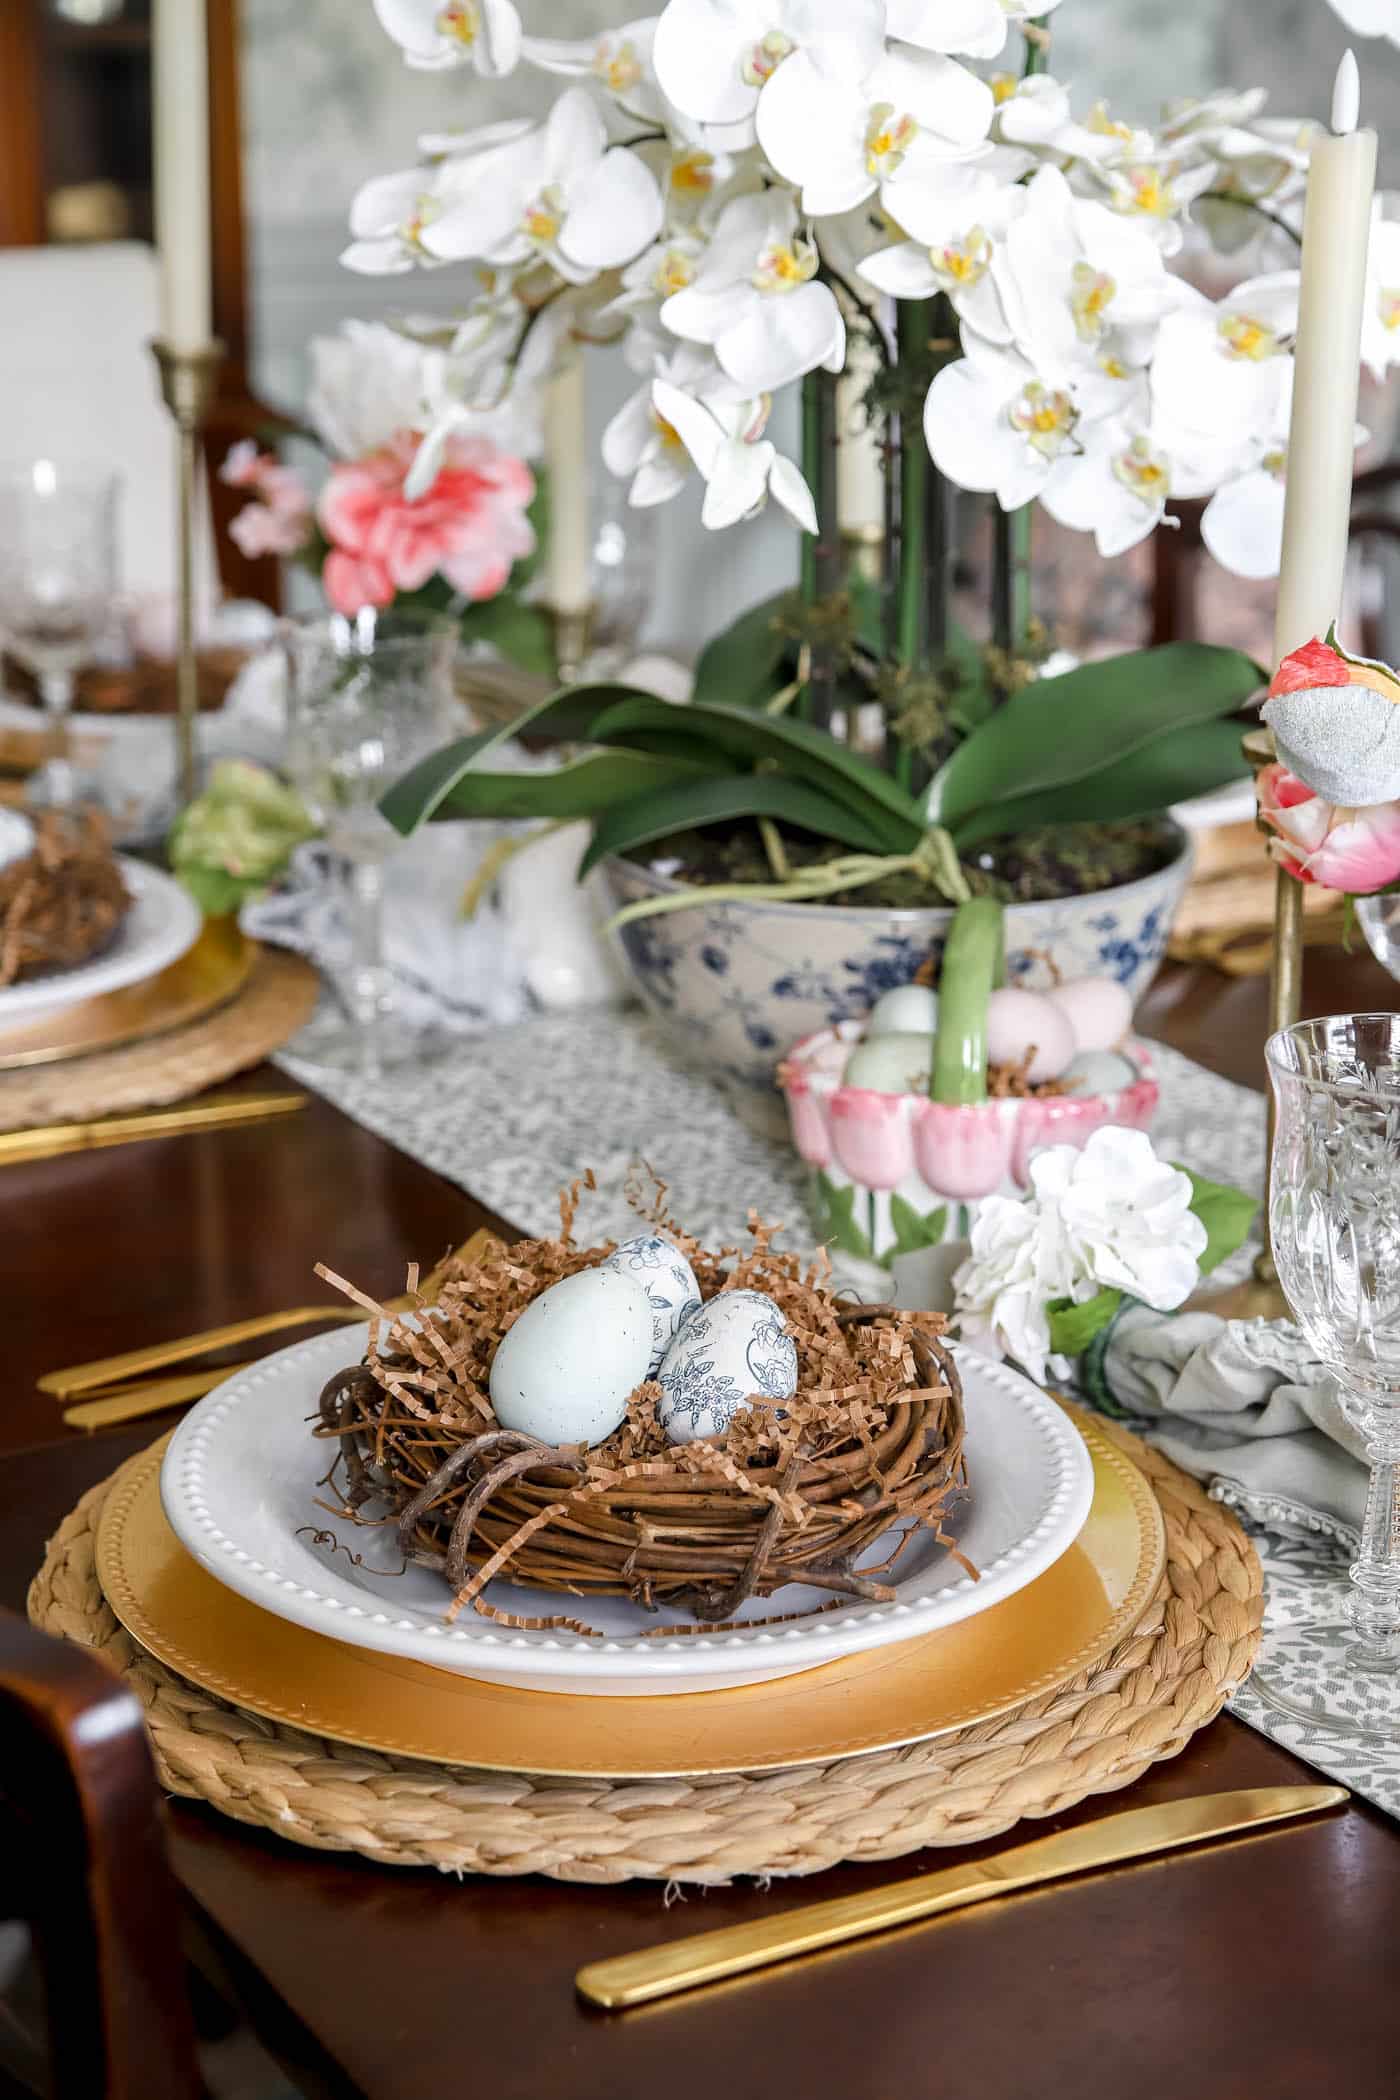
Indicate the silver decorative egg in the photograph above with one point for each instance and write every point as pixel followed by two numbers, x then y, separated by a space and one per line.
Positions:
pixel 564 1371
pixel 734 1350
pixel 668 1280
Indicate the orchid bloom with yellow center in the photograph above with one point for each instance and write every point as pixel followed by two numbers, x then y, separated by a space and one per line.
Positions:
pixel 1144 191
pixel 543 219
pixel 460 20
pixel 887 139
pixel 673 272
pixel 1244 336
pixel 1144 472
pixel 1104 126
pixel 783 265
pixel 763 59
pixel 1388 306
pixel 961 264
pixel 617 65
pixel 1045 416
pixel 693 174
pixel 1003 87
pixel 1091 294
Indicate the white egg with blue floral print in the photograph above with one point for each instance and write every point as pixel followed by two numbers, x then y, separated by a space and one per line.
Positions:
pixel 663 1272
pixel 735 1352
pixel 564 1371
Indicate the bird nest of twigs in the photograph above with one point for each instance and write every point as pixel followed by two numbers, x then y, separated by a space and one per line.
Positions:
pixel 871 1444
pixel 64 901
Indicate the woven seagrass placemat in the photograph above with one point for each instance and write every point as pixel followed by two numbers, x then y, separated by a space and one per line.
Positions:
pixel 1192 1648
pixel 276 1001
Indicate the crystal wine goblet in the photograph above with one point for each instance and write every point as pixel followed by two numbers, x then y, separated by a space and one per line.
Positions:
pixel 1334 1226
pixel 367 698
pixel 58 575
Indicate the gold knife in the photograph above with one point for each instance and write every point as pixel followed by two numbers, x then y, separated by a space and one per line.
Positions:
pixel 1136 1833
pixel 49 1140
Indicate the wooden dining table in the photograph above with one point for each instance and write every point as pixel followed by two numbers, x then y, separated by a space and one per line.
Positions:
pixel 1258 1969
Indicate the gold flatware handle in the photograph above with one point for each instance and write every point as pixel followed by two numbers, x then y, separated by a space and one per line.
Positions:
pixel 1136 1833
pixel 50 1140
pixel 110 1370
pixel 148 1397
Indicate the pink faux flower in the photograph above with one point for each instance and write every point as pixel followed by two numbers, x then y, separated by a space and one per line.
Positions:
pixel 243 463
pixel 1357 850
pixel 468 526
pixel 279 521
pixel 259 529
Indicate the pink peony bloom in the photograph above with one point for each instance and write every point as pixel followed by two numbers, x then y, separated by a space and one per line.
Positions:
pixel 468 526
pixel 1357 850
pixel 258 530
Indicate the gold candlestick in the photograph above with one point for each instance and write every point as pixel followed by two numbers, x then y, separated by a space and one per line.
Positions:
pixel 572 633
pixel 188 383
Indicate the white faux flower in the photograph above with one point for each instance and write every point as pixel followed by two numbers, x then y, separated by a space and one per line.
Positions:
pixel 1370 17
pixel 387 217
pixel 993 422
pixel 740 467
pixel 952 227
pixel 1242 525
pixel 367 384
pixel 1220 371
pixel 1035 112
pixel 1380 316
pixel 619 60
pixel 1020 1260
pixel 641 446
pixel 842 138
pixel 437 34
pixel 558 194
pixel 1126 1214
pixel 1156 193
pixel 715 58
pixel 755 298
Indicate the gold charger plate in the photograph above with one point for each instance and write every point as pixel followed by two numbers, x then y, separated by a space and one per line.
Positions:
pixel 205 977
pixel 1056 1627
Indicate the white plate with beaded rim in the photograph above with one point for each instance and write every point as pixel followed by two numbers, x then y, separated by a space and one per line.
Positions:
pixel 240 1487
pixel 162 923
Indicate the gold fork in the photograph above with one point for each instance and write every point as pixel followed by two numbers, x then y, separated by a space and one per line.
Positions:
pixel 151 1396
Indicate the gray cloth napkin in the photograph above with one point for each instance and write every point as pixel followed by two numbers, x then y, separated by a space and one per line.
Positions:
pixel 1244 1405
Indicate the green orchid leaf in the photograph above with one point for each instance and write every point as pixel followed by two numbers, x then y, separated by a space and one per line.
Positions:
pixel 568 714
pixel 1073 1327
pixel 836 1219
pixel 1057 731
pixel 719 800
pixel 1226 1213
pixel 789 747
pixel 521 633
pixel 1173 768
pixel 585 787
pixel 743 665
pixel 913 1231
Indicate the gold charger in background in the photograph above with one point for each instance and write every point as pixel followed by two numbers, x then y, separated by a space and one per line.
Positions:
pixel 200 981
pixel 1060 1625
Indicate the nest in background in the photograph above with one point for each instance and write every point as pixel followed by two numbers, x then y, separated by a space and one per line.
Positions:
pixel 872 1439
pixel 64 901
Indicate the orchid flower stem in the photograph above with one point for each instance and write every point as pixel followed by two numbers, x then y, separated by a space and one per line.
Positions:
pixel 866 311
pixel 1011 577
pixel 914 470
pixel 1252 204
pixel 811 473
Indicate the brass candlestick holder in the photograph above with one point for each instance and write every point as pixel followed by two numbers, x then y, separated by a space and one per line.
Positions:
pixel 188 384
pixel 573 633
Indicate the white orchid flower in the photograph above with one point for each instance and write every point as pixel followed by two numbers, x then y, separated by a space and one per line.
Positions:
pixel 387 217
pixel 1155 194
pixel 617 60
pixel 952 226
pixel 1242 525
pixel 641 446
pixel 367 384
pixel 668 266
pixel 1380 316
pixel 1077 284
pixel 994 423
pixel 843 139
pixel 559 195
pixel 436 34
pixel 1116 487
pixel 1218 370
pixel 1370 17
pixel 741 468
pixel 715 58
pixel 1036 113
pixel 755 300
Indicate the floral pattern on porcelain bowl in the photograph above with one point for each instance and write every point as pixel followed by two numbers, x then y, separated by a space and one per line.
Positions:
pixel 732 984
pixel 894 1172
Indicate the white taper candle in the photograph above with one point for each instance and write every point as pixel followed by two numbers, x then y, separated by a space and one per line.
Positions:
pixel 566 456
pixel 1322 437
pixel 179 33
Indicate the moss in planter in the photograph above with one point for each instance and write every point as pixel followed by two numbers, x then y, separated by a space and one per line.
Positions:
pixel 1063 860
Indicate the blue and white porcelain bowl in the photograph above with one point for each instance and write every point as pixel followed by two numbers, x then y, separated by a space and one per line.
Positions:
pixel 734 985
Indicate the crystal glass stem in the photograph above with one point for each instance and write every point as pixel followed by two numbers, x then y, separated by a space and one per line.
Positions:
pixel 369 977
pixel 1375 1574
pixel 56 691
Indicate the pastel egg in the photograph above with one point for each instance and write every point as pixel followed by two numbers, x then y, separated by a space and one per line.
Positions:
pixel 1100 1072
pixel 891 1064
pixel 910 1009
pixel 564 1370
pixel 668 1280
pixel 1098 1009
pixel 736 1349
pixel 1018 1021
